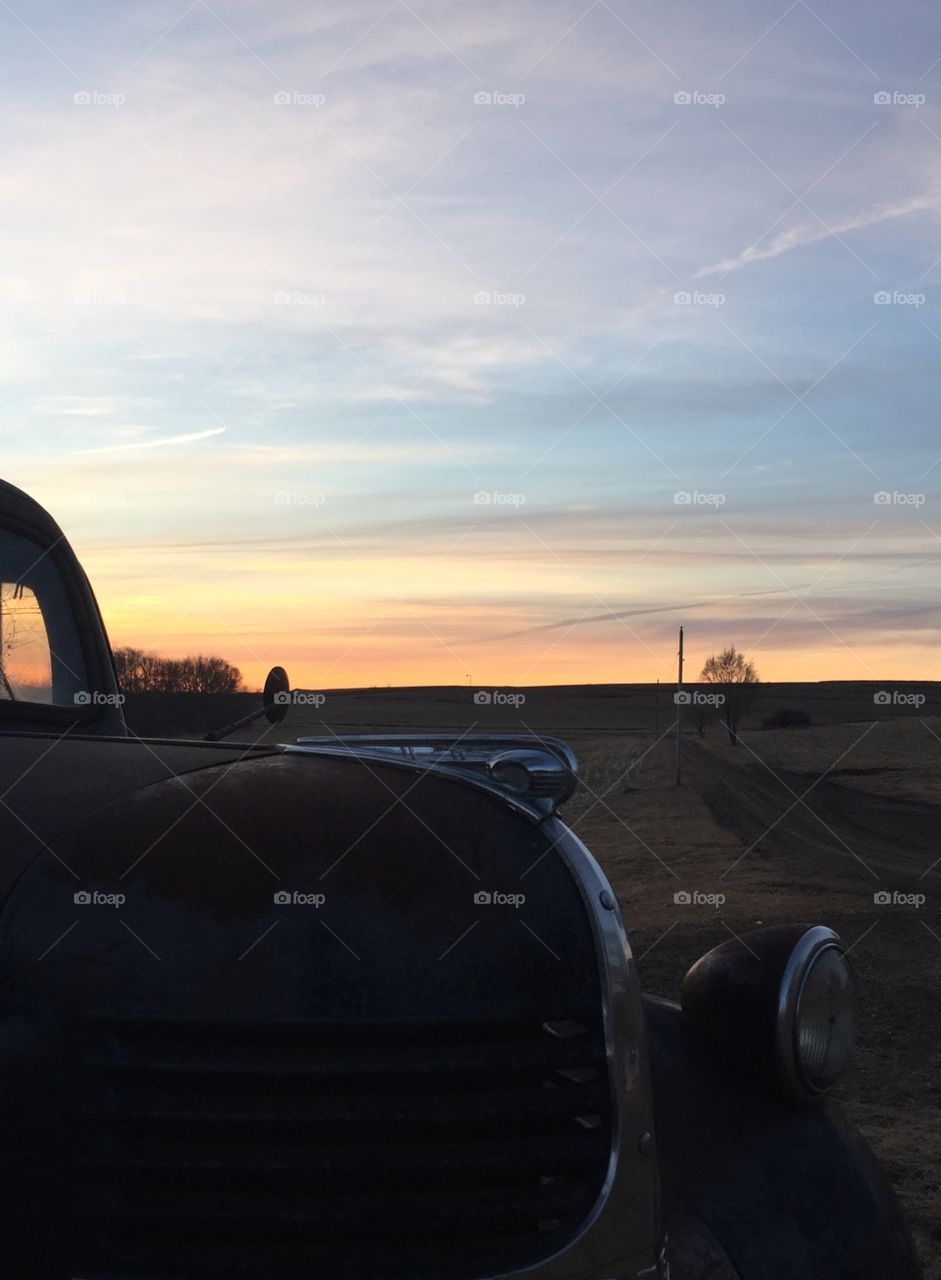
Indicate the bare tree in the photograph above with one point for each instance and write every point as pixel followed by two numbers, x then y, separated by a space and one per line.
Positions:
pixel 736 677
pixel 141 672
pixel 18 610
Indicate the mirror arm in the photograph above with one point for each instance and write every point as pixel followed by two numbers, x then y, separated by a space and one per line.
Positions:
pixel 275 703
pixel 218 734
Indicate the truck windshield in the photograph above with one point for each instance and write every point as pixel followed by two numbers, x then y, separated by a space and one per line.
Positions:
pixel 40 652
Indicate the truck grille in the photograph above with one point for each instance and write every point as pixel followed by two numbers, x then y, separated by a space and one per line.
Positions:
pixel 428 1150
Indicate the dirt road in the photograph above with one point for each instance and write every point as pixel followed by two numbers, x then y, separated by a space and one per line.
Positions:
pixel 896 841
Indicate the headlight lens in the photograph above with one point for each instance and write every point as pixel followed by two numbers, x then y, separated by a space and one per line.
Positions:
pixel 825 1021
pixel 779 1005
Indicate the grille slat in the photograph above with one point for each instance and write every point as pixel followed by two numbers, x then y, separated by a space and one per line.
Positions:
pixel 310 1218
pixel 550 1102
pixel 358 1151
pixel 505 1162
pixel 509 1059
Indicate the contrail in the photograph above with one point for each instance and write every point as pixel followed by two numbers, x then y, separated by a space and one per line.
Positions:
pixel 615 615
pixel 155 444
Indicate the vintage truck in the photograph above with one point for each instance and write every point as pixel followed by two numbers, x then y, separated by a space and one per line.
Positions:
pixel 366 1007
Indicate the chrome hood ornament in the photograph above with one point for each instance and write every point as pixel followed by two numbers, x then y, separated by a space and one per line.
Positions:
pixel 537 774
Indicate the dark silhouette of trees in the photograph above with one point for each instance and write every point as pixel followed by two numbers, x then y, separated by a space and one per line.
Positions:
pixel 736 677
pixel 141 672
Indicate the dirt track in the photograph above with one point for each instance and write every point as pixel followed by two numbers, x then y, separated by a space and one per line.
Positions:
pixel 880 837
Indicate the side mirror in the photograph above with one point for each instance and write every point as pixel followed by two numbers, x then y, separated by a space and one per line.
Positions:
pixel 276 701
pixel 277 695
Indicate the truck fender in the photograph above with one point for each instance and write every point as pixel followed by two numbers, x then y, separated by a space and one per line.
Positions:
pixel 766 1189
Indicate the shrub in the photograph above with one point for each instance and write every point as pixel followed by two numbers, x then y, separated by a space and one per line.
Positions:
pixel 787 718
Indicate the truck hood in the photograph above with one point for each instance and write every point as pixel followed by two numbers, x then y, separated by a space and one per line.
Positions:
pixel 50 785
pixel 318 943
pixel 354 868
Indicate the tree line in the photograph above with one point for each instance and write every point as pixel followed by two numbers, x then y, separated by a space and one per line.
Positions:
pixel 139 671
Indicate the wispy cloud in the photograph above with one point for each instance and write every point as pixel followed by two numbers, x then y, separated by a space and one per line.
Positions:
pixel 817 230
pixel 156 444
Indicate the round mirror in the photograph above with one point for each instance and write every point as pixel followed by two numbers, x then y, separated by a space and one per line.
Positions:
pixel 277 695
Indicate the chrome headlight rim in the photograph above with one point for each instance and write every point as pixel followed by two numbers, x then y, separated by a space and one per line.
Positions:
pixel 800 965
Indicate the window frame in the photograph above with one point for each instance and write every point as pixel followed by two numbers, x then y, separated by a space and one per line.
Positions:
pixel 93 642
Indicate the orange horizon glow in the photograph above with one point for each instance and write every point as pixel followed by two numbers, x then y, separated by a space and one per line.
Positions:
pixel 394 617
pixel 397 669
pixel 334 637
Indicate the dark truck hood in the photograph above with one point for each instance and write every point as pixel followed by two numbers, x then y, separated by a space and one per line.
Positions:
pixel 200 859
pixel 170 1060
pixel 50 785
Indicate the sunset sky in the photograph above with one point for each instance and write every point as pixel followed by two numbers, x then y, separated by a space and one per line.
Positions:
pixel 288 289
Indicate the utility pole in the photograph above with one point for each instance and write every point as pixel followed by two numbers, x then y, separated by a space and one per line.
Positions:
pixel 656 705
pixel 679 710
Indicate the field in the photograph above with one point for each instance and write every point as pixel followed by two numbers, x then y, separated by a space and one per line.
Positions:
pixel 654 839
pixel 806 824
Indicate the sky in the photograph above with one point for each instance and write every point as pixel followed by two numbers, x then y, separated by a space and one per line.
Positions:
pixel 444 343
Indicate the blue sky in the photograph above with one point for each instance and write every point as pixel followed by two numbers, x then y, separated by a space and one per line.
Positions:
pixel 286 290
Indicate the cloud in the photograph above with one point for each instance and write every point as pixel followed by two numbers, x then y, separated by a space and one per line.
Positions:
pixel 816 231
pixel 156 444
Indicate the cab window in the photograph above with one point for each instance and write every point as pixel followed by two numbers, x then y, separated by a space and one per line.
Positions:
pixel 40 652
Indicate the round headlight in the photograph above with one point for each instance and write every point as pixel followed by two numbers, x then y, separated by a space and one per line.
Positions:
pixel 779 1005
pixel 817 1014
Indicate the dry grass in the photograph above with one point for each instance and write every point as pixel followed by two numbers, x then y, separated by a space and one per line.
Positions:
pixel 899 757
pixel 654 838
